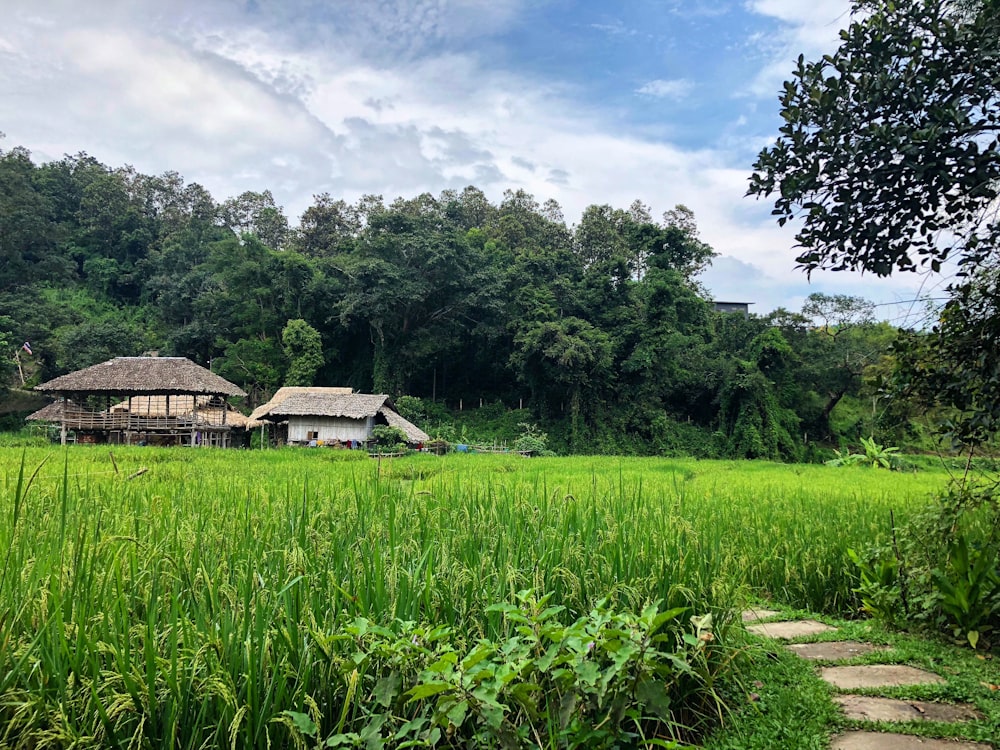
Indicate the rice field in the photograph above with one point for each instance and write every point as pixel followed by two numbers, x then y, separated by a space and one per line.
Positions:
pixel 194 597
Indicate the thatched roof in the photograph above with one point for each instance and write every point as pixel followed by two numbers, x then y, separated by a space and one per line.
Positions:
pixel 51 413
pixel 202 408
pixel 336 403
pixel 141 375
pixel 347 405
pixel 413 433
pixel 292 390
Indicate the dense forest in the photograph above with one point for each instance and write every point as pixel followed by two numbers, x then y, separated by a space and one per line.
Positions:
pixel 600 330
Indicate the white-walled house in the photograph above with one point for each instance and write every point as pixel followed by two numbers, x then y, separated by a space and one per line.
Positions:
pixel 330 415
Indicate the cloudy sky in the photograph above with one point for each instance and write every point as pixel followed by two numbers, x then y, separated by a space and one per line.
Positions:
pixel 583 101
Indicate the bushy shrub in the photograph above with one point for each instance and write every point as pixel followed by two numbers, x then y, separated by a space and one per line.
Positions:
pixel 532 440
pixel 942 570
pixel 389 439
pixel 608 679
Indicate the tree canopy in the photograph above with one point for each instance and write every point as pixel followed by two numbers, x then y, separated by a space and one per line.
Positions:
pixel 889 155
pixel 889 152
pixel 600 330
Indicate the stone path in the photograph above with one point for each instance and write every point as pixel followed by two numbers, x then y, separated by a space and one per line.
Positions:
pixel 873 676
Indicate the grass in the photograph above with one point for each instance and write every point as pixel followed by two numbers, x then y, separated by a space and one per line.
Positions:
pixel 194 603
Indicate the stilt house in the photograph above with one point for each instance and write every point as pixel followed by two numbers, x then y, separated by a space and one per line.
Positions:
pixel 184 403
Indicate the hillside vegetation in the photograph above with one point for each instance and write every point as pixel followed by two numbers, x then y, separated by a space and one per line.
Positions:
pixel 600 331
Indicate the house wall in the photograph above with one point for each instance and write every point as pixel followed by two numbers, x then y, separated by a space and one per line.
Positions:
pixel 329 428
pixel 743 308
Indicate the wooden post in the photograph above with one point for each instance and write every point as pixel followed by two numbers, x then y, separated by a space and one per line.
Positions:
pixel 17 358
pixel 62 435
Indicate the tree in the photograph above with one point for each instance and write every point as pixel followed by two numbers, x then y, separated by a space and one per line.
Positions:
pixel 95 341
pixel 683 249
pixel 844 343
pixel 412 280
pixel 327 225
pixel 256 214
pixel 890 156
pixel 889 152
pixel 304 350
pixel 26 231
pixel 568 358
pixel 751 415
pixel 254 363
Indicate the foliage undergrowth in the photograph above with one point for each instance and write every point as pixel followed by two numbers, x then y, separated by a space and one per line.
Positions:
pixel 941 569
pixel 609 679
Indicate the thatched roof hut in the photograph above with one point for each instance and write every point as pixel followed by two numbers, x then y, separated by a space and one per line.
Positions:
pixel 314 404
pixel 348 405
pixel 149 377
pixel 256 416
pixel 143 375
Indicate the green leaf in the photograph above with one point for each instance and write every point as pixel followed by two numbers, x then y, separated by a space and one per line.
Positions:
pixel 427 689
pixel 387 688
pixel 302 722
pixel 456 714
pixel 336 740
pixel 480 652
pixel 973 636
pixel 588 673
pixel 670 614
pixel 652 694
pixel 412 727
pixel 371 735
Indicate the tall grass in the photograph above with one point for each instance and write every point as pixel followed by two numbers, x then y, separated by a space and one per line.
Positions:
pixel 191 605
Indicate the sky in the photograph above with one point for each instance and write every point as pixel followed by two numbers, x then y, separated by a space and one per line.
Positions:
pixel 581 101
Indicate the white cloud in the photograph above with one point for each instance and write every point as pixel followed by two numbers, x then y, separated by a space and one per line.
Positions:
pixel 675 88
pixel 615 29
pixel 807 28
pixel 241 101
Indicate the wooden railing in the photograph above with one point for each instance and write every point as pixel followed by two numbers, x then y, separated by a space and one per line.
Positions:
pixel 78 419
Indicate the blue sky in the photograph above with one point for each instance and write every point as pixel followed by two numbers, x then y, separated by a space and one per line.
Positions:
pixel 665 101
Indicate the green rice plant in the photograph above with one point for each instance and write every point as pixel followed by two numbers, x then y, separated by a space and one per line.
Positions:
pixel 209 600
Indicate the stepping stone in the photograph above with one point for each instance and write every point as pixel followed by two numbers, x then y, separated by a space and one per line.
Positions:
pixel 752 615
pixel 789 629
pixel 877 675
pixel 863 707
pixel 833 650
pixel 882 741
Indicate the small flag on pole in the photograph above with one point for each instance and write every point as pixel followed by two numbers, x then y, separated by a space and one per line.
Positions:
pixel 27 347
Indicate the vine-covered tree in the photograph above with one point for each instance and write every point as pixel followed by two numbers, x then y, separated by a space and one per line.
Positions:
pixel 304 350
